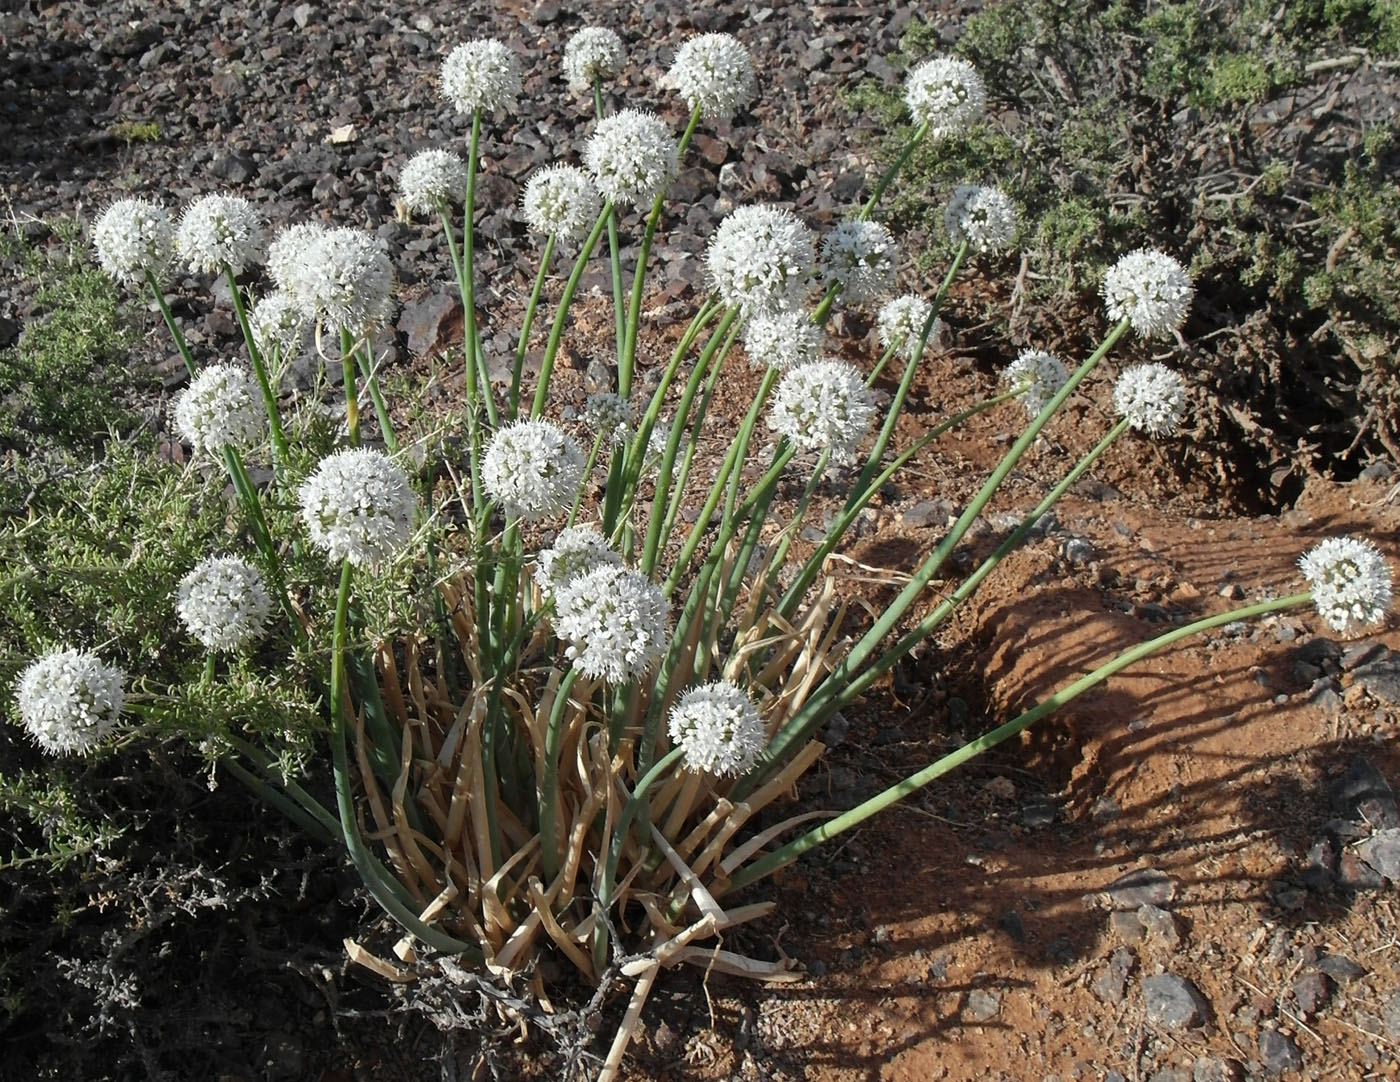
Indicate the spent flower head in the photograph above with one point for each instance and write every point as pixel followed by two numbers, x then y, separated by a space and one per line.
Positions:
pixel 343 280
pixel 616 622
pixel 277 323
pixel 224 603
pixel 576 551
pixel 901 320
pixel 1350 583
pixel 1151 397
pixel 781 340
pixel 221 407
pixel 1151 290
pixel 431 179
pixel 760 259
pixel 632 156
pixel 594 53
pixel 714 74
pixel 823 404
pixel 219 229
pixel 133 238
pixel 1040 373
pixel 610 416
pixel 533 468
pixel 982 216
pixel 718 729
pixel 480 74
pixel 358 506
pixel 945 93
pixel 563 200
pixel 859 257
pixel 69 700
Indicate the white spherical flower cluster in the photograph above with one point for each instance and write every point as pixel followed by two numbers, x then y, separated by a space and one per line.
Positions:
pixel 134 237
pixel 718 729
pixel 594 53
pixel 432 178
pixel 224 603
pixel 220 407
pixel 1151 290
pixel 1350 581
pixel 1040 373
pixel 358 506
pixel 286 255
pixel 860 258
pixel 946 94
pixel 982 216
pixel 714 74
pixel 1151 397
pixel 576 551
pixel 824 404
pixel 533 468
pixel 632 156
pixel 610 416
pixel 69 700
pixel 901 321
pixel 616 621
pixel 760 259
pixel 562 200
pixel 343 279
pixel 219 229
pixel 480 74
pixel 277 323
pixel 781 340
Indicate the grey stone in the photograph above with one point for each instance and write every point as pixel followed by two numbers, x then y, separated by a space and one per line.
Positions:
pixel 1210 1069
pixel 982 1006
pixel 1341 968
pixel 925 513
pixel 1077 551
pixel 1381 678
pixel 1111 985
pixel 1311 991
pixel 1382 852
pixel 432 323
pixel 1173 1002
pixel 302 15
pixel 1355 874
pixel 1143 886
pixel 1278 1052
pixel 1126 926
pixel 1391 1016
pixel 1321 868
pixel 1160 925
pixel 1170 1074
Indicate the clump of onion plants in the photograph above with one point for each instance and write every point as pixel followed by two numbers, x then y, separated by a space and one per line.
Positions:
pixel 617 659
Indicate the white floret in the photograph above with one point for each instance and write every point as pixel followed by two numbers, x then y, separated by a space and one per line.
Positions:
pixel 69 700
pixel 533 468
pixel 358 506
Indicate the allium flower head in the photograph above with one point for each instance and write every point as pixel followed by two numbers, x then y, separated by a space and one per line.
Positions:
pixel 945 93
pixel 593 53
pixel 860 258
pixel 1150 289
pixel 343 280
pixel 533 468
pixel 1350 581
pixel 984 217
pixel 1041 374
pixel 562 200
pixel 277 324
pixel 656 444
pixel 480 74
pixel 632 156
pixel 219 229
pixel 901 321
pixel 432 178
pixel 713 73
pixel 823 404
pixel 69 700
pixel 286 255
pixel 133 237
pixel 224 603
pixel 221 406
pixel 576 551
pixel 616 622
pixel 718 728
pixel 358 506
pixel 610 416
pixel 781 340
pixel 760 259
pixel 1151 397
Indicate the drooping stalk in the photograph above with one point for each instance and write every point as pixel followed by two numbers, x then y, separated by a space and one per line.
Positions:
pixel 262 536
pixel 381 409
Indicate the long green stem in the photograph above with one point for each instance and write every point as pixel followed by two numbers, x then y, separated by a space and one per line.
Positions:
pixel 893 171
pixel 352 393
pixel 274 417
pixel 381 409
pixel 467 280
pixel 549 779
pixel 561 316
pixel 262 535
pixel 170 324
pixel 526 323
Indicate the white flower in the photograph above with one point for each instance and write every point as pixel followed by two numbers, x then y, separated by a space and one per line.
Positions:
pixel 132 238
pixel 1151 397
pixel 945 93
pixel 69 700
pixel 616 622
pixel 632 156
pixel 984 217
pixel 1350 581
pixel 432 178
pixel 358 506
pixel 860 258
pixel 656 445
pixel 576 551
pixel 562 200
pixel 1040 373
pixel 224 603
pixel 781 340
pixel 343 279
pixel 714 74
pixel 610 416
pixel 823 404
pixel 480 74
pixel 594 53
pixel 718 728
pixel 900 322
pixel 533 468
pixel 221 406
pixel 1151 290
pixel 286 255
pixel 760 259
pixel 219 229
pixel 277 323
